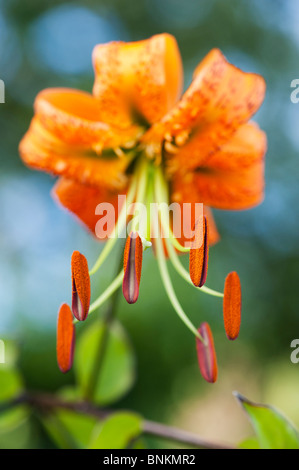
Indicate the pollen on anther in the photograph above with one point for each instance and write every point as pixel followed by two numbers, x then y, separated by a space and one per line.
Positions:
pixel 65 338
pixel 80 286
pixel 232 303
pixel 132 267
pixel 199 253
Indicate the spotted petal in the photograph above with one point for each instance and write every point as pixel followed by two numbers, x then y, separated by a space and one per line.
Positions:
pixel 138 81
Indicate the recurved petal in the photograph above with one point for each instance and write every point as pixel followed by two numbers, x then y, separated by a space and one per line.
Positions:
pixel 233 177
pixel 81 286
pixel 134 79
pixel 42 150
pixel 220 99
pixel 82 200
pixel 214 236
pixel 65 343
pixel 77 118
pixel 206 354
pixel 132 267
pixel 232 303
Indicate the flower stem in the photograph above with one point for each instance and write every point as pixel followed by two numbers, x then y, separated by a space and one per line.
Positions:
pixel 103 341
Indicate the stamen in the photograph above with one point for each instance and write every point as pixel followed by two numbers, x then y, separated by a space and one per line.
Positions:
pixel 170 148
pixel 106 294
pixel 206 354
pixel 199 253
pixel 182 138
pixel 152 150
pixel 132 267
pixel 130 144
pixel 98 148
pixel 232 303
pixel 119 226
pixel 81 286
pixel 119 152
pixel 168 137
pixel 161 194
pixel 166 279
pixel 184 273
pixel 65 343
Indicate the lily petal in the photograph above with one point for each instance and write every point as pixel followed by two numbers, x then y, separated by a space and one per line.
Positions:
pixel 219 100
pixel 214 236
pixel 234 175
pixel 82 200
pixel 142 78
pixel 42 150
pixel 77 118
pixel 65 339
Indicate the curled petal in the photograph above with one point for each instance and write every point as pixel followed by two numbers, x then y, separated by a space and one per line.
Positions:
pixel 206 354
pixel 232 302
pixel 219 100
pixel 81 286
pixel 138 81
pixel 213 232
pixel 199 254
pixel 71 115
pixel 233 177
pixel 65 339
pixel 82 200
pixel 43 150
pixel 132 267
pixel 76 118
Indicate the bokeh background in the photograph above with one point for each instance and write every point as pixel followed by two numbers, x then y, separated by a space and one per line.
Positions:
pixel 49 43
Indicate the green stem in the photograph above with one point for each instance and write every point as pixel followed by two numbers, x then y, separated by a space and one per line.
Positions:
pixel 140 194
pixel 106 322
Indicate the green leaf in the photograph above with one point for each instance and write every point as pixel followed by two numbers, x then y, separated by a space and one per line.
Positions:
pixel 58 433
pixel 67 428
pixel 272 429
pixel 10 384
pixel 250 443
pixel 117 431
pixel 10 387
pixel 11 353
pixel 117 371
pixel 21 436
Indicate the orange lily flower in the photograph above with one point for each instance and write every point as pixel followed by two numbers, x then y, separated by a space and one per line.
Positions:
pixel 135 135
